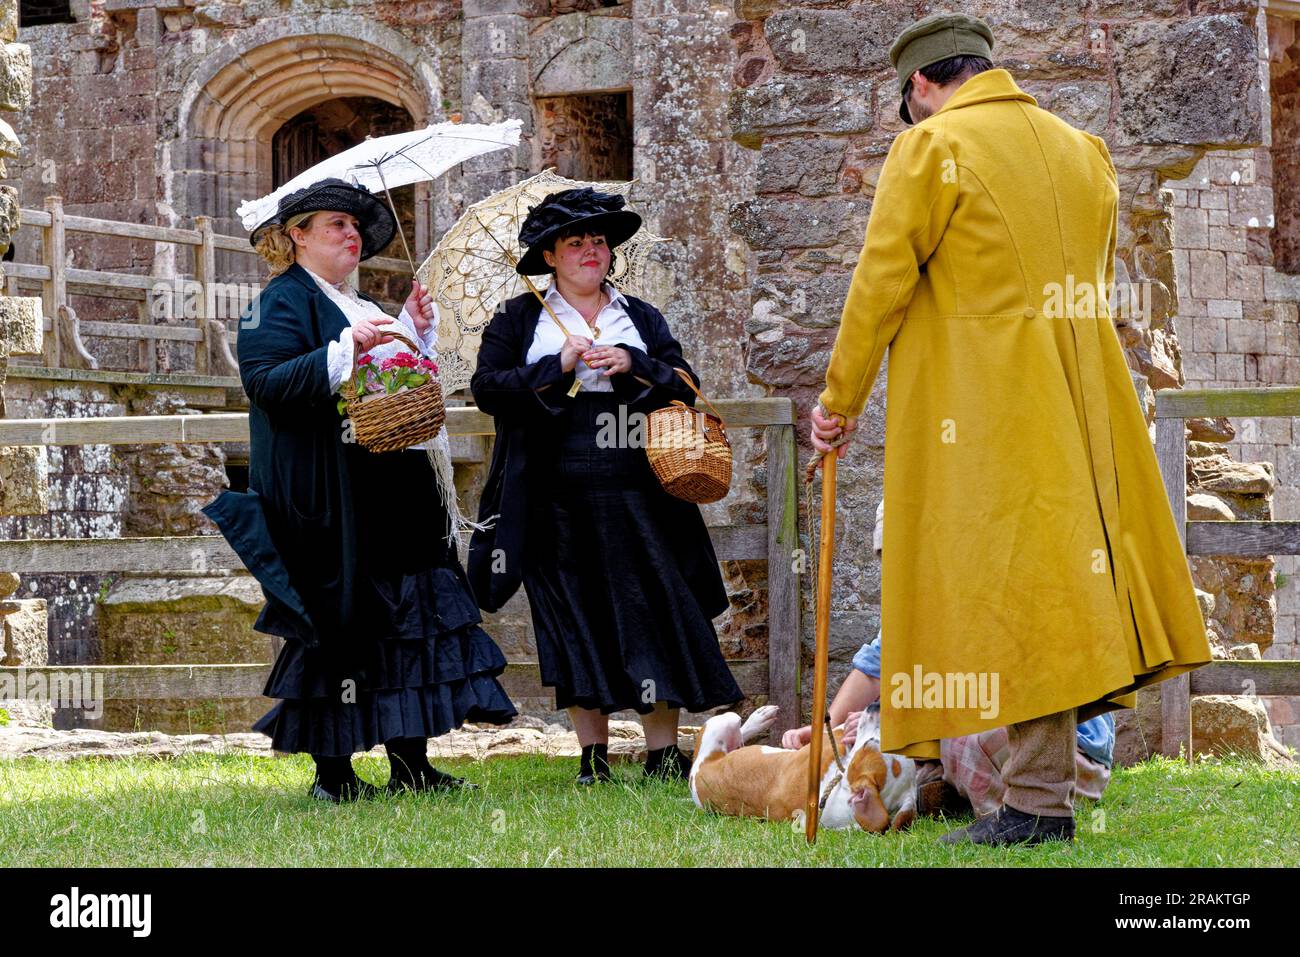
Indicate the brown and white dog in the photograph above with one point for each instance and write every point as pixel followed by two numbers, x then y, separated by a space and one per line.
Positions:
pixel 877 792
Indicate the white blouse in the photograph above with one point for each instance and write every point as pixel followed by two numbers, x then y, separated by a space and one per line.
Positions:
pixel 614 323
pixel 339 352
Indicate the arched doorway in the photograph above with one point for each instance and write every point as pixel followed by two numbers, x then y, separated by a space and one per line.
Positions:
pixel 277 78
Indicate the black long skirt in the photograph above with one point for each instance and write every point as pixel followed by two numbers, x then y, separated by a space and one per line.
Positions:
pixel 422 665
pixel 608 563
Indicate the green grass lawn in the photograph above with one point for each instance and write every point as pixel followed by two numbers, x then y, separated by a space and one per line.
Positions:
pixel 207 810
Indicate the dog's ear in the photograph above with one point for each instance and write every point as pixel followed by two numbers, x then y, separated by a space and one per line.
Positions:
pixel 869 811
pixel 866 770
pixel 866 776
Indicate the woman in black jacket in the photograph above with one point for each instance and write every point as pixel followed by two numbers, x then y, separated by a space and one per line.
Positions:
pixel 351 547
pixel 621 577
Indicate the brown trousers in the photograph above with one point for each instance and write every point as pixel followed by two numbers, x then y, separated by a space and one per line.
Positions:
pixel 1039 773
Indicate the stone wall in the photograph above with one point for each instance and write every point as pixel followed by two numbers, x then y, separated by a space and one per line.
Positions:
pixel 87 493
pixel 1235 233
pixel 104 492
pixel 1284 85
pixel 1240 325
pixel 758 128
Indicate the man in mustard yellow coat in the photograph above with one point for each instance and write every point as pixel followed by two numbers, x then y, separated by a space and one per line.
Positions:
pixel 1038 577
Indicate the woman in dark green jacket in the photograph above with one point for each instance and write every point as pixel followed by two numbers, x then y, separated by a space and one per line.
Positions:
pixel 383 642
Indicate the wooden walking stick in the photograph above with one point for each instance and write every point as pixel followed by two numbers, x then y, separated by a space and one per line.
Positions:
pixel 826 557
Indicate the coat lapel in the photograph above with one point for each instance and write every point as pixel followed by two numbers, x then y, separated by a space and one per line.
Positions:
pixel 331 318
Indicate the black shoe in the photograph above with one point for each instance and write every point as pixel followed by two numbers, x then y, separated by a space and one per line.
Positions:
pixel 429 780
pixel 594 766
pixel 667 764
pixel 355 790
pixel 1009 826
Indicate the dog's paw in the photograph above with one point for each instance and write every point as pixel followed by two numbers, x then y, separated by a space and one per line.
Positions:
pixel 759 721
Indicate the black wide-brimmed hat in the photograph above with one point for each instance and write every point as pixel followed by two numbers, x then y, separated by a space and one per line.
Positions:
pixel 377 225
pixel 585 208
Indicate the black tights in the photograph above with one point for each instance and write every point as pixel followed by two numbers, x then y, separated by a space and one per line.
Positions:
pixel 334 773
pixel 409 759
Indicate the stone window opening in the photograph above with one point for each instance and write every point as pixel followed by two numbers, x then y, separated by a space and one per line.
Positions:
pixel 561 7
pixel 586 136
pixel 35 13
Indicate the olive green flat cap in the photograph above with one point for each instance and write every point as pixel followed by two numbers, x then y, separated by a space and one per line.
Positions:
pixel 937 37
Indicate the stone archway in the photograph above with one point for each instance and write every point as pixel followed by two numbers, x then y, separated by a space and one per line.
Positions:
pixel 247 88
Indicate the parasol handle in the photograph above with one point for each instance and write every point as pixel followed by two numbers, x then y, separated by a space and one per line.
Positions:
pixel 826 557
pixel 545 305
pixel 400 232
pixel 577 383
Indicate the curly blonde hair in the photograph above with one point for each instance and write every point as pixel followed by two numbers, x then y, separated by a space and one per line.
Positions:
pixel 276 246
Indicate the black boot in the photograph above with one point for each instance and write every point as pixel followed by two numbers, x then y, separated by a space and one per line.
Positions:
pixel 408 759
pixel 337 781
pixel 667 764
pixel 1009 826
pixel 595 764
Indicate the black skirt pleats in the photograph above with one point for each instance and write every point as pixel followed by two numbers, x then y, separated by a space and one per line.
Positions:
pixel 419 665
pixel 608 569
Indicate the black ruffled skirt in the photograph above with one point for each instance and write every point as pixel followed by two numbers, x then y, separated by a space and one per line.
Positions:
pixel 609 565
pixel 425 667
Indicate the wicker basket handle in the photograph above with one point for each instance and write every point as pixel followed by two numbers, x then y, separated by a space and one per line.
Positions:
pixel 399 335
pixel 346 389
pixel 687 379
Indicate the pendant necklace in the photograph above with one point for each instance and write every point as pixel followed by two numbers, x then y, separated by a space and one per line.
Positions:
pixel 595 330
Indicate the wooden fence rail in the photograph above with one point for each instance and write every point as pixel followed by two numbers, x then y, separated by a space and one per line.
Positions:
pixel 1251 539
pixel 776 542
pixel 208 329
pixel 201 682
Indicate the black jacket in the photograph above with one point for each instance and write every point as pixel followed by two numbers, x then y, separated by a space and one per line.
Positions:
pixel 505 387
pixel 317 500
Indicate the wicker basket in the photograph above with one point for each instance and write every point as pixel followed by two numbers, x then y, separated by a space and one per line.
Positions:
pixel 387 423
pixel 689 450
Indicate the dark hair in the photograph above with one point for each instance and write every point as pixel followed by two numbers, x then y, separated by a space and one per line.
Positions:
pixel 578 229
pixel 955 67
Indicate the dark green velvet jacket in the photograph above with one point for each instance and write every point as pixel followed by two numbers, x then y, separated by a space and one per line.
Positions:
pixel 316 499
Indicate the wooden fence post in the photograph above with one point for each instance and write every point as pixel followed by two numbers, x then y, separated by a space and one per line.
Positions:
pixel 1176 693
pixel 205 271
pixel 54 288
pixel 784 640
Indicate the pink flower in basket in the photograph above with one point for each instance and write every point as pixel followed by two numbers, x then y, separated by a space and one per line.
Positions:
pixel 402 360
pixel 392 375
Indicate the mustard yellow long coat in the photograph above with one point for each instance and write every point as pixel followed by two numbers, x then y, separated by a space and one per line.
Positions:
pixel 1028 532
